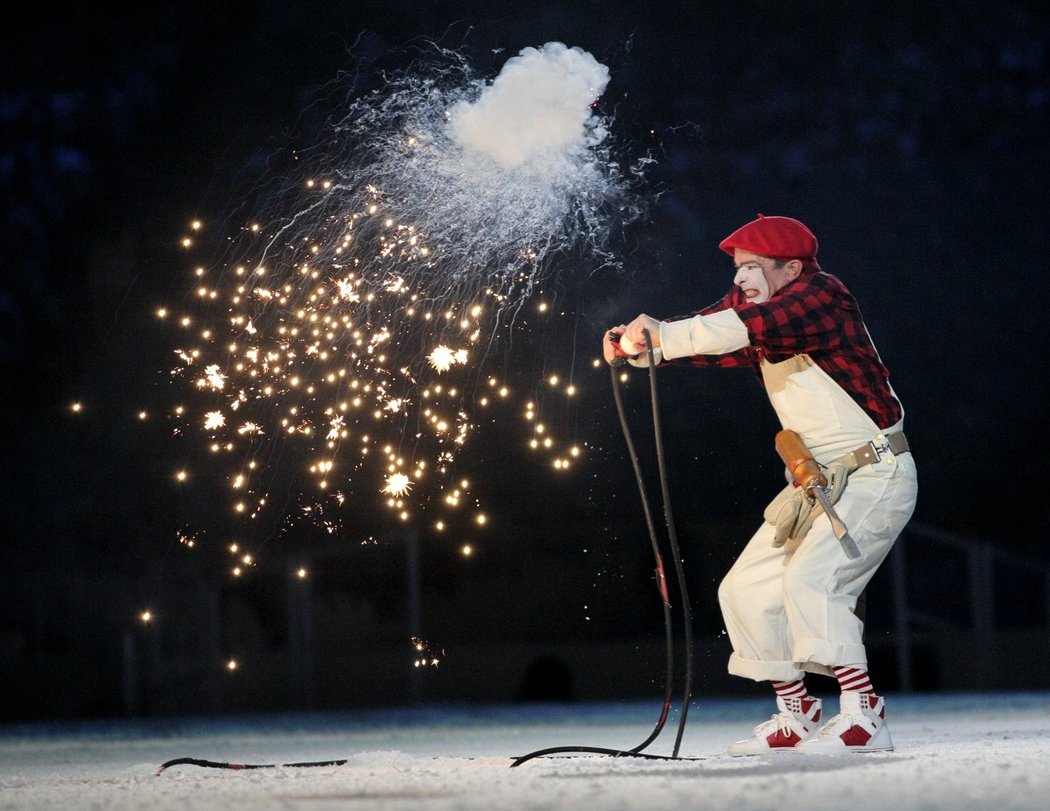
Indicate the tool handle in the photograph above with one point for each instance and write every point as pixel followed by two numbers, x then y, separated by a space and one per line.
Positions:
pixel 849 546
pixel 799 461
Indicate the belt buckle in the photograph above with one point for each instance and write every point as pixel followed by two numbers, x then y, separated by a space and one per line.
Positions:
pixel 879 446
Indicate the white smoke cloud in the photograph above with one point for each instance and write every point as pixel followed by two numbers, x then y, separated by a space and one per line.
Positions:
pixel 536 110
pixel 489 177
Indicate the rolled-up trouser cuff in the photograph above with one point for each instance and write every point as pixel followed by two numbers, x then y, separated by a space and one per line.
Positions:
pixel 763 671
pixel 825 655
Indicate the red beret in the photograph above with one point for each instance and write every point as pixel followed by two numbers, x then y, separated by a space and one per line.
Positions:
pixel 776 237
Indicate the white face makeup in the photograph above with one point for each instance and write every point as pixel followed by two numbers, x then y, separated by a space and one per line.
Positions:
pixel 751 278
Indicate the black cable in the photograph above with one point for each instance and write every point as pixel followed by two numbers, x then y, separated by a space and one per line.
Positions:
pixel 672 536
pixel 601 750
pixel 214 764
pixel 661 581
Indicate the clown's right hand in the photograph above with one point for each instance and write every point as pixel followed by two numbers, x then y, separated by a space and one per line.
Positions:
pixel 611 346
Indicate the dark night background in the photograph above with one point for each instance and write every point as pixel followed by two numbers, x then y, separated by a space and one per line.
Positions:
pixel 911 137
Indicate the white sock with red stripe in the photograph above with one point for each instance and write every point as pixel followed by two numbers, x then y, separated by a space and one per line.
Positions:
pixel 853 679
pixel 791 689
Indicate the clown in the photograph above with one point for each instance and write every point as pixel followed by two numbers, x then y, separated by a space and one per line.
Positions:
pixel 789 601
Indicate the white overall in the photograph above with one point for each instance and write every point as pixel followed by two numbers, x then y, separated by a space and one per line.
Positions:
pixel 792 611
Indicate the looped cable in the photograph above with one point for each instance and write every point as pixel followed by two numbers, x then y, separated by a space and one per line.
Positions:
pixel 661 580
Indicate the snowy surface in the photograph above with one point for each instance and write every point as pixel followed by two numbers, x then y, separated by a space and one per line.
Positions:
pixel 953 752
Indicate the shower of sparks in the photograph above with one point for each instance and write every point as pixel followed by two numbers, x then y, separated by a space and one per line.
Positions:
pixel 334 346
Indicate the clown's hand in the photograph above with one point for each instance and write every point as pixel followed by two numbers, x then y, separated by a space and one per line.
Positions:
pixel 611 345
pixel 634 335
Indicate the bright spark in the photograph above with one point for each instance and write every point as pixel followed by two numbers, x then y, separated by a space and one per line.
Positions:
pixel 397 485
pixel 213 420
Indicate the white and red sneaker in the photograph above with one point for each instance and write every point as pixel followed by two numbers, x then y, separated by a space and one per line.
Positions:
pixel 797 720
pixel 860 726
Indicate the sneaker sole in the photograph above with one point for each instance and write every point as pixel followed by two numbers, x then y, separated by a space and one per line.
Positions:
pixel 838 750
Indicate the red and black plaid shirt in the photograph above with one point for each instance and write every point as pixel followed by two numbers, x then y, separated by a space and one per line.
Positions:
pixel 814 314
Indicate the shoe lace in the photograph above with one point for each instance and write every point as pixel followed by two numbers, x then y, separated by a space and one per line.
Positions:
pixel 781 722
pixel 843 720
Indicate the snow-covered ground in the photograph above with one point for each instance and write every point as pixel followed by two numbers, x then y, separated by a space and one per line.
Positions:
pixel 953 752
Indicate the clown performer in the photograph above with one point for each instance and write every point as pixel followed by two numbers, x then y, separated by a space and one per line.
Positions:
pixel 789 601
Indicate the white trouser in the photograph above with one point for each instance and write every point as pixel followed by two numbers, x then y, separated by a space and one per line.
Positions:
pixel 789 612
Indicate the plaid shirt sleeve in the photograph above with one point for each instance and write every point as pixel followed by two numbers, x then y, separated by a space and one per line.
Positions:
pixel 815 315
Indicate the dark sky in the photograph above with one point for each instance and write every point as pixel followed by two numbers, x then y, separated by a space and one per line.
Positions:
pixel 910 137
